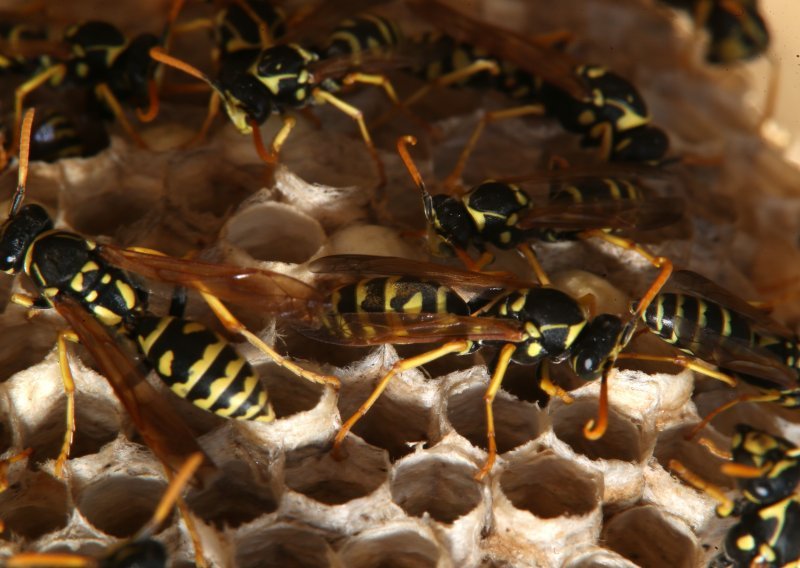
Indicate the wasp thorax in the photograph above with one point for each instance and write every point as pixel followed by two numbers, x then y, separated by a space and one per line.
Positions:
pixel 19 231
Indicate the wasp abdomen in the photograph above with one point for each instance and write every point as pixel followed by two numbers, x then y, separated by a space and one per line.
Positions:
pixel 202 367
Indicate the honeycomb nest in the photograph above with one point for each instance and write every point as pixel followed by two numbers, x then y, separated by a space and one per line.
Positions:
pixel 405 495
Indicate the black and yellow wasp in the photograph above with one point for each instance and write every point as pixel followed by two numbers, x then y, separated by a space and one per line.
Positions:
pixel 293 72
pixel 712 324
pixel 767 472
pixel 399 301
pixel 140 551
pixel 606 109
pixel 88 284
pixel 96 57
pixel 736 28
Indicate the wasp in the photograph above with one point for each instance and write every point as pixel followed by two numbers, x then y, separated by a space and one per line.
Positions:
pixel 292 75
pixel 736 28
pixel 503 215
pixel 590 100
pixel 767 470
pixel 89 285
pixel 712 324
pixel 398 301
pixel 140 550
pixel 116 70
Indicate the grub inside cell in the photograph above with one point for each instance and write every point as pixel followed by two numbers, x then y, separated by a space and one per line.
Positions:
pixel 444 489
pixel 100 502
pixel 317 475
pixel 643 535
pixel 550 487
pixel 516 422
pixel 622 440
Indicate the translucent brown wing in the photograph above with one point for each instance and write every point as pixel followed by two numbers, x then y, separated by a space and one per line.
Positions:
pixel 402 328
pixel 641 215
pixel 737 355
pixel 364 266
pixel 377 61
pixel 551 65
pixel 315 24
pixel 694 284
pixel 162 429
pixel 262 290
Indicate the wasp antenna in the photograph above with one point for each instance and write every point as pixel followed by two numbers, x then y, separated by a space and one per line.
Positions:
pixel 171 495
pixel 164 58
pixel 24 152
pixel 402 148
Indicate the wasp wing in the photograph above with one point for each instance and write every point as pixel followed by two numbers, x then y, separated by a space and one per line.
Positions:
pixel 694 284
pixel 378 328
pixel 552 65
pixel 620 214
pixel 262 290
pixel 162 429
pixel 363 266
pixel 313 25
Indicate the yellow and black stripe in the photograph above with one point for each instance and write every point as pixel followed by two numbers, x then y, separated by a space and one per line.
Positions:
pixel 361 34
pixel 202 367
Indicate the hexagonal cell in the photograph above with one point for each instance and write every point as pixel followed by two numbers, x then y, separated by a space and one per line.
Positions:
pixel 283 545
pixel 97 422
pixel 390 547
pixel 233 498
pixel 516 422
pixel 35 506
pixel 275 232
pixel 622 441
pixel 316 474
pixel 99 503
pixel 436 485
pixel 288 393
pixel 549 486
pixel 673 445
pixel 643 535
pixel 393 425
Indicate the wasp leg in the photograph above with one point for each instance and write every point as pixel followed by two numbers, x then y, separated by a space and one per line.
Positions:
pixel 595 428
pixel 788 398
pixel 358 116
pixel 383 82
pixel 235 326
pixel 500 367
pixel 69 389
pixel 454 177
pixel 661 262
pixel 153 106
pixel 527 251
pixel 726 505
pixel 213 110
pixel 104 93
pixel 474 265
pixel 443 81
pixel 684 362
pixel 55 73
pixel 709 444
pixel 459 346
pixel 547 385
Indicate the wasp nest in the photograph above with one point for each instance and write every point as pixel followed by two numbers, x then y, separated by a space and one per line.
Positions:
pixel 405 496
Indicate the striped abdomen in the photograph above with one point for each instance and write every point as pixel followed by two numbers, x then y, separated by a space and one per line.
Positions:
pixel 202 367
pixel 356 309
pixel 685 322
pixel 362 33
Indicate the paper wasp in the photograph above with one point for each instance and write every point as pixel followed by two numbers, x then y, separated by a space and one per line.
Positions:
pixel 291 74
pixel 391 300
pixel 710 323
pixel 88 285
pixel 142 550
pixel 767 470
pixel 736 28
pixel 95 55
